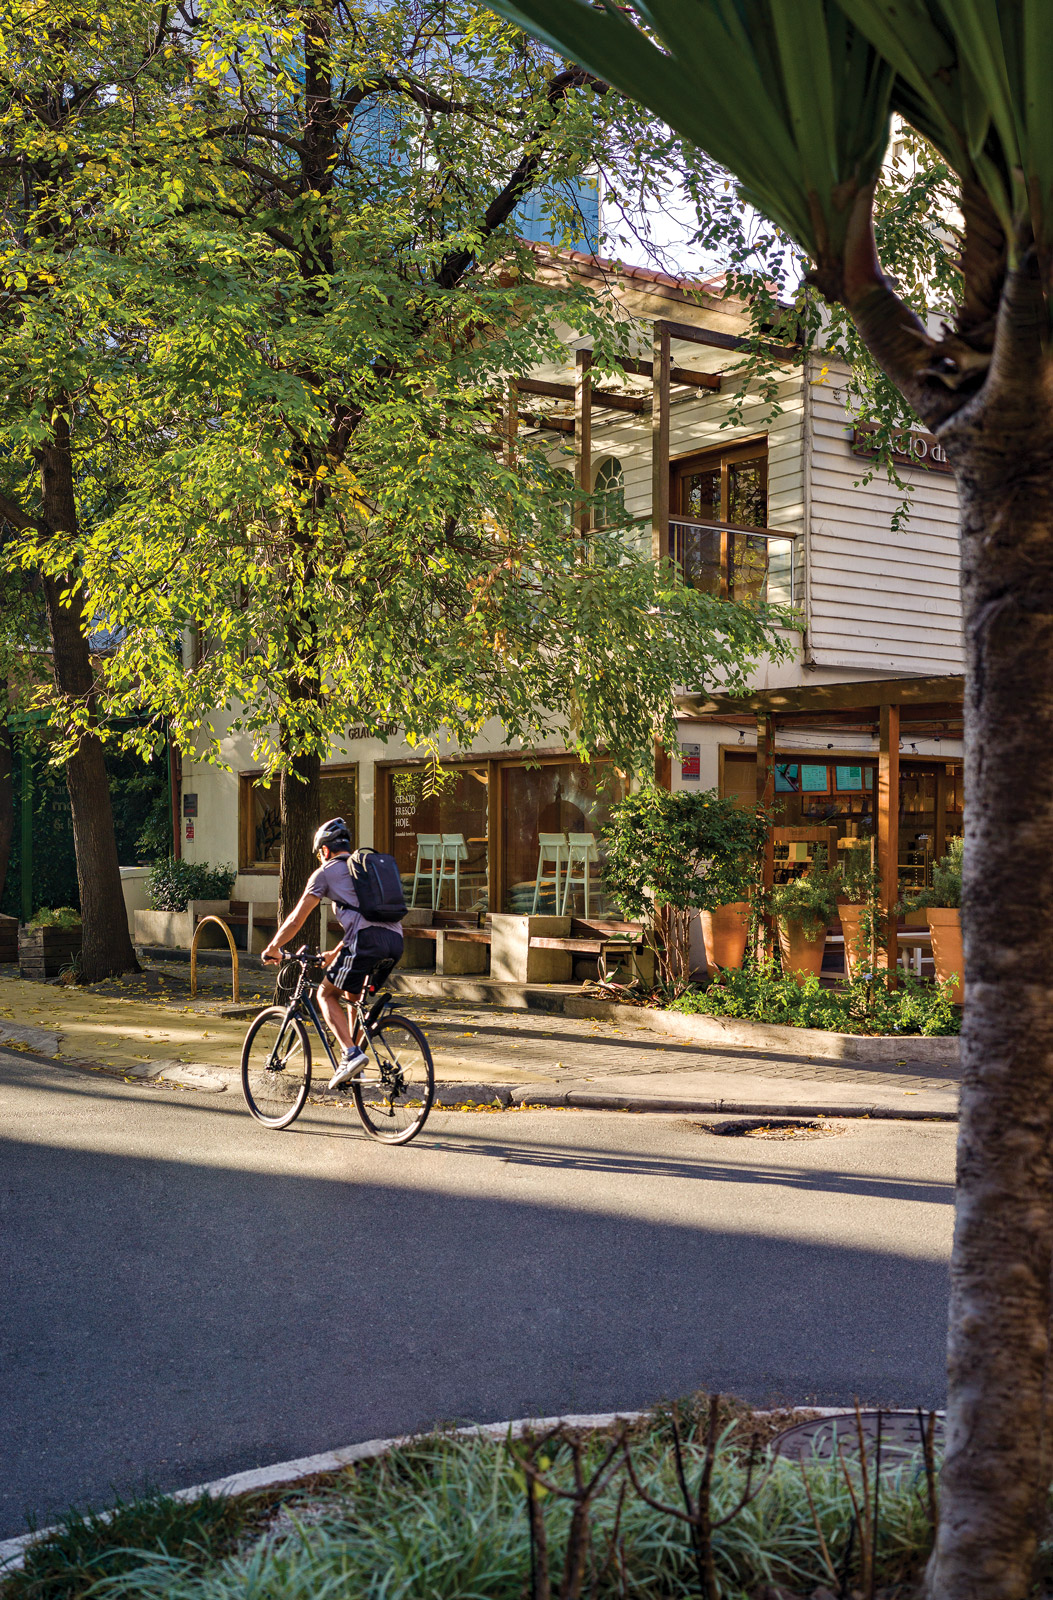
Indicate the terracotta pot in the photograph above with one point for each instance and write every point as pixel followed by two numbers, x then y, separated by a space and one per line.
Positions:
pixel 917 919
pixel 801 957
pixel 946 929
pixel 857 949
pixel 725 931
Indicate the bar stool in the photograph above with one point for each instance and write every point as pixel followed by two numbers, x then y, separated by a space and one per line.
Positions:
pixel 429 857
pixel 552 852
pixel 581 853
pixel 454 851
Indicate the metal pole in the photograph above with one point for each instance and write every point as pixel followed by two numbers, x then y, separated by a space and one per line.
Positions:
pixel 27 831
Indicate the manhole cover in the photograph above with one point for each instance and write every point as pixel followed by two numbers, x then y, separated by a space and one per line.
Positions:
pixel 824 1438
pixel 769 1128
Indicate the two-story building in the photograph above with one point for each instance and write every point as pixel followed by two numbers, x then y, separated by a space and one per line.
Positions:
pixel 774 505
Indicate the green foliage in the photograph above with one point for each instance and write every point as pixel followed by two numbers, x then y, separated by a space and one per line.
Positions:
pixel 55 917
pixel 688 850
pixel 859 878
pixel 947 874
pixel 172 883
pixel 811 898
pixel 279 337
pixel 867 1005
pixel 946 880
pixel 445 1519
pixel 669 854
pixel 93 1547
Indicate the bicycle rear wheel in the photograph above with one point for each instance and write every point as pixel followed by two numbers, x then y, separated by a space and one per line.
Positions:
pixel 394 1092
pixel 276 1067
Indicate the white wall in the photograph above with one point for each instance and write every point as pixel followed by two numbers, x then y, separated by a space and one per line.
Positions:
pixel 881 600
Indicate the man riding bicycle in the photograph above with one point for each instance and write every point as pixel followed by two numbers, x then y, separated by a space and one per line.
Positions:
pixel 364 946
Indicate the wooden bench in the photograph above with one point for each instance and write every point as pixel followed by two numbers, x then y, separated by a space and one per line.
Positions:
pixel 599 939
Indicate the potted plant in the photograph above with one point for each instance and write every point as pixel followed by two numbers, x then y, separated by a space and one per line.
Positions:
pixel 941 906
pixel 859 911
pixel 731 840
pixel 49 944
pixel 670 855
pixel 803 908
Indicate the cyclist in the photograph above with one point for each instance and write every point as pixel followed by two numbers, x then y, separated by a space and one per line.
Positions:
pixel 364 946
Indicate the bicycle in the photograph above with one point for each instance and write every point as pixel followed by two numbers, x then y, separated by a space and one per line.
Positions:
pixel 393 1093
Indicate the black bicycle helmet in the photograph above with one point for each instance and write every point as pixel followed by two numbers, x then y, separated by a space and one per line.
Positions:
pixel 335 833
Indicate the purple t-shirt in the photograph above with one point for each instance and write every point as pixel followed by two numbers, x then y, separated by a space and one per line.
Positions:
pixel 332 881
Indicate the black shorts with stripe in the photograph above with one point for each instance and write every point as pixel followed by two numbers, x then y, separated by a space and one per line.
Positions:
pixel 361 954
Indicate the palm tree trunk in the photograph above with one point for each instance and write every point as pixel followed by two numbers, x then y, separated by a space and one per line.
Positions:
pixel 107 948
pixel 995 1481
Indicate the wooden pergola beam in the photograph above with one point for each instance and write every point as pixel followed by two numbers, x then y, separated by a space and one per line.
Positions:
pixel 726 341
pixel 946 692
pixel 888 830
pixel 660 445
pixel 685 375
pixel 566 391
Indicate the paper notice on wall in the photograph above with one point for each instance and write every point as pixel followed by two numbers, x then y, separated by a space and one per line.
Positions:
pixel 189 829
pixel 690 762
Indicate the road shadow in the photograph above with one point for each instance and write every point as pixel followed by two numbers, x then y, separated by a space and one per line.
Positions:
pixel 166 1322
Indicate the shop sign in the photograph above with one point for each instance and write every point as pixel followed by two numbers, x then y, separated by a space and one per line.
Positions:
pixel 383 729
pixel 190 805
pixel 909 449
pixel 690 762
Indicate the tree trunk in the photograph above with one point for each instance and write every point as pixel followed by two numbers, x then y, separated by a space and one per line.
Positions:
pixel 995 1481
pixel 298 796
pixel 107 948
pixel 7 799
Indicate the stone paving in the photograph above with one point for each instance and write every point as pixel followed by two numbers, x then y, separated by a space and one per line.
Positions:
pixel 147 1028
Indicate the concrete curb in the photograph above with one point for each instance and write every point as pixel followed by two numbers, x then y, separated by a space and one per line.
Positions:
pixel 813 1043
pixel 13 1551
pixel 583 1100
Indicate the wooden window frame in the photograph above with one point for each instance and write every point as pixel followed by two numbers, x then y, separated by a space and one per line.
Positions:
pixel 247 864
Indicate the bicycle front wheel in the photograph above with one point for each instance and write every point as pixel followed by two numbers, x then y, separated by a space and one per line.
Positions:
pixel 276 1067
pixel 393 1094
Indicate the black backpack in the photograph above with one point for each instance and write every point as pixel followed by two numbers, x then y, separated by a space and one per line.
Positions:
pixel 378 885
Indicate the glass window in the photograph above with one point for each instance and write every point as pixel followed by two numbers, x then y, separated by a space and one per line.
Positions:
pixel 700 493
pixel 556 799
pixel 440 836
pixel 610 483
pixel 261 829
pixel 747 493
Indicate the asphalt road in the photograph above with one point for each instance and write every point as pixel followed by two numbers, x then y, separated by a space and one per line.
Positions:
pixel 186 1294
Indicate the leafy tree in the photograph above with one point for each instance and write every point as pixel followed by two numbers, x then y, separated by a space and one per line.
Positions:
pixel 797 105
pixel 82 111
pixel 668 855
pixel 315 478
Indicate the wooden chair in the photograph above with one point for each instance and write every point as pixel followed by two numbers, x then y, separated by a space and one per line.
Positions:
pixel 552 854
pixel 581 854
pixel 429 858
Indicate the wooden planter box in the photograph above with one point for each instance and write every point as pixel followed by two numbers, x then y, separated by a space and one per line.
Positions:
pixel 8 938
pixel 46 952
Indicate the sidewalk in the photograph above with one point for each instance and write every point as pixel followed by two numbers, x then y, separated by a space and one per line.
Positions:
pixel 148 1030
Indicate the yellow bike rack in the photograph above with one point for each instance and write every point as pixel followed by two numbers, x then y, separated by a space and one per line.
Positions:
pixel 193 954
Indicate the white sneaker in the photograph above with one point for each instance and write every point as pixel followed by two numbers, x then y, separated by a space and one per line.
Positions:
pixel 351 1062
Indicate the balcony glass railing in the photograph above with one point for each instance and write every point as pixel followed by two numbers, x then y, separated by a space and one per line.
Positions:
pixel 738 563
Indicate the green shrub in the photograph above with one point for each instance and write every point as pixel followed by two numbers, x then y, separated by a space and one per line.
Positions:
pixel 670 854
pixel 867 1005
pixel 55 917
pixel 946 888
pixel 172 883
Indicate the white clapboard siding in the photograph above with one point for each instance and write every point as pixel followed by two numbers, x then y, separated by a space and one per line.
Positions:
pixel 877 599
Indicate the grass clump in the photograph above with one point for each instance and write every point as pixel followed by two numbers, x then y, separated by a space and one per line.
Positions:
pixel 87 1548
pixel 449 1518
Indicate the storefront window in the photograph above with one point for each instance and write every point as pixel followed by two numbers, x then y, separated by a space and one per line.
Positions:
pixel 545 806
pixel 260 812
pixel 440 836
